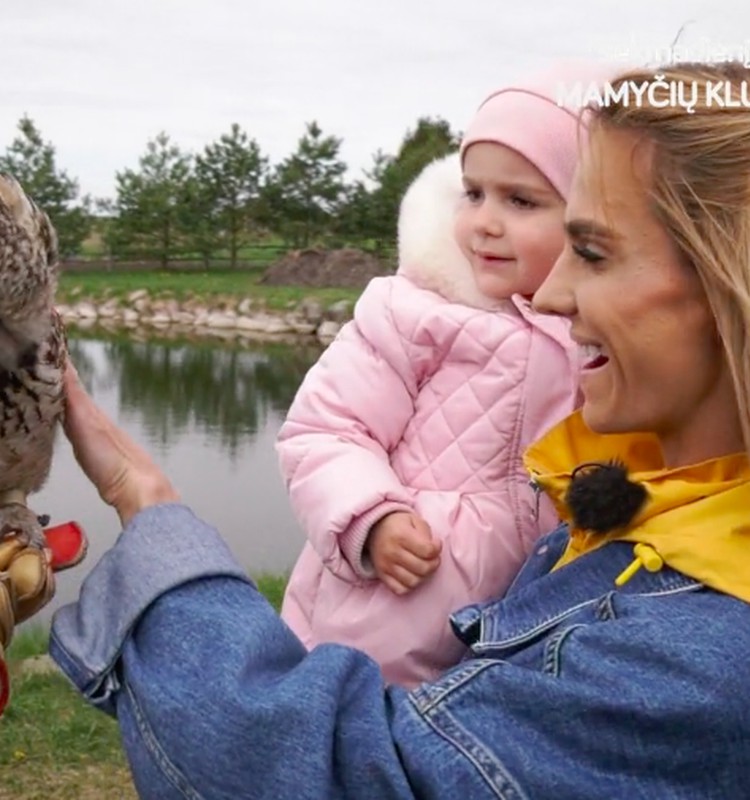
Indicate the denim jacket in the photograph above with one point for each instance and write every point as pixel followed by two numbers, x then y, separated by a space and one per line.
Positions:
pixel 572 689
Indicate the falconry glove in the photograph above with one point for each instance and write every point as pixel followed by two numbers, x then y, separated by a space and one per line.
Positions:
pixel 27 581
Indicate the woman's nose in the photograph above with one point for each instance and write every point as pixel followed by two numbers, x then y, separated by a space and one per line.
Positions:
pixel 556 295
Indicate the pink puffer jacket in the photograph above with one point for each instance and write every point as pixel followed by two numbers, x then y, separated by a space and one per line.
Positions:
pixel 423 403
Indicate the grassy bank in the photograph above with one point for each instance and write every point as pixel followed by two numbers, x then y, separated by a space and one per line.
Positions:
pixel 206 286
pixel 52 744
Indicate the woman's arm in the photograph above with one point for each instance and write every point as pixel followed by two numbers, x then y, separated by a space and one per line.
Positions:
pixel 213 693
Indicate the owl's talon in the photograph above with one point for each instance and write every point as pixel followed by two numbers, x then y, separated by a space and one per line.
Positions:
pixel 17 521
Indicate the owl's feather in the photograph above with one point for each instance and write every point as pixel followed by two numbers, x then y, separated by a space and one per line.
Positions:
pixel 32 355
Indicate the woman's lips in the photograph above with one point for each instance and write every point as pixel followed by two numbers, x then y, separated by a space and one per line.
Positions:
pixel 597 362
pixel 592 356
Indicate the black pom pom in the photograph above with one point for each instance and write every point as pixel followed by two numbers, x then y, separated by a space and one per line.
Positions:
pixel 602 499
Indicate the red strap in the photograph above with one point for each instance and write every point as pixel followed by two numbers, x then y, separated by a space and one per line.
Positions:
pixel 68 544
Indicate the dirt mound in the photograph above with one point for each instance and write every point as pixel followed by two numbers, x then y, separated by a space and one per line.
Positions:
pixel 347 267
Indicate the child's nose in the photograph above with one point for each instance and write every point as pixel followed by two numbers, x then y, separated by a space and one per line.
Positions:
pixel 489 220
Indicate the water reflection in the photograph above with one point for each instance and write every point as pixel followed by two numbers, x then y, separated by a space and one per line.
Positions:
pixel 209 412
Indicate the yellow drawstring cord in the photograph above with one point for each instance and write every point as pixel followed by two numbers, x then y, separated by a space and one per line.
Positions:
pixel 645 556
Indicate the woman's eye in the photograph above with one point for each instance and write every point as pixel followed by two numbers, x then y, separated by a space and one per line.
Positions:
pixel 587 254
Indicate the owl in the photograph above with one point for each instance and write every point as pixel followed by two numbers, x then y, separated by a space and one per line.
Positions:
pixel 32 358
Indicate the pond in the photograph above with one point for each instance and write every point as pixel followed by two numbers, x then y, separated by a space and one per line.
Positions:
pixel 208 411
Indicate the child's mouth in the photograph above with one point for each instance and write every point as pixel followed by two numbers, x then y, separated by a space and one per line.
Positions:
pixel 491 258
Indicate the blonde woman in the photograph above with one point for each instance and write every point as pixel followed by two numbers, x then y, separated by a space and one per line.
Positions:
pixel 614 666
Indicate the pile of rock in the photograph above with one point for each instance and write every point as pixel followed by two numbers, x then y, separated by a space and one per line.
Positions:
pixel 344 267
pixel 226 315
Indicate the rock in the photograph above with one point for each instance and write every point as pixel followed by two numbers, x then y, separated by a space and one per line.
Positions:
pixel 225 335
pixel 304 328
pixel 191 304
pixel 340 311
pixel 86 311
pixel 221 319
pixel 245 306
pixel 201 317
pixel 109 324
pixel 311 310
pixel 172 307
pixel 250 324
pixel 277 325
pixel 108 309
pixel 327 331
pixel 299 324
pixel 136 295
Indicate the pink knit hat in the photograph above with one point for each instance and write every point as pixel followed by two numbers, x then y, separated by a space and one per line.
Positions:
pixel 537 120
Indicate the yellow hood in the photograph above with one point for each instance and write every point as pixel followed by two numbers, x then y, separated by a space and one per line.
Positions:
pixel 697 518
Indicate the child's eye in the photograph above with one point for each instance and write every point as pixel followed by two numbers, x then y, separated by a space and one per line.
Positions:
pixel 473 195
pixel 587 254
pixel 519 201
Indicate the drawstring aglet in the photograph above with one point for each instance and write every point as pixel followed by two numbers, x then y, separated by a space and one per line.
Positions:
pixel 645 556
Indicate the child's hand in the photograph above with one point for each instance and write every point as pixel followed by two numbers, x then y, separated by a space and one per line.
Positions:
pixel 402 551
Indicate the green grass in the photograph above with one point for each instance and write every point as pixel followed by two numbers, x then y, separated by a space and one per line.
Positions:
pixel 52 743
pixel 31 640
pixel 272 588
pixel 99 286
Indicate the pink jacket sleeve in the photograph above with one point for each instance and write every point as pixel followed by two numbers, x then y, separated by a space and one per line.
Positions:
pixel 349 413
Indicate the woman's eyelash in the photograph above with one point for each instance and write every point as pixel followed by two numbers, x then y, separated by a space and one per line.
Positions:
pixel 587 254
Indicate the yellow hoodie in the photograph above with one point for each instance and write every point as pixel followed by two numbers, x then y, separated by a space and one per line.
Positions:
pixel 697 518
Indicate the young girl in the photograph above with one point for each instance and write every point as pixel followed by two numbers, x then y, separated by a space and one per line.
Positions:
pixel 402 449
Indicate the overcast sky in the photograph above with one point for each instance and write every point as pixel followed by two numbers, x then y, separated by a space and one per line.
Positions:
pixel 102 77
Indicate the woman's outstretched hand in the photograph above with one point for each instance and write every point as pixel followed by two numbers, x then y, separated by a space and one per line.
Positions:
pixel 124 473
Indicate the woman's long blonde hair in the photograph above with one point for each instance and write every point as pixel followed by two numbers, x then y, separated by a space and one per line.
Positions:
pixel 700 184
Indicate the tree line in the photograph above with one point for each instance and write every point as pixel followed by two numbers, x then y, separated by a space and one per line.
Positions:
pixel 212 205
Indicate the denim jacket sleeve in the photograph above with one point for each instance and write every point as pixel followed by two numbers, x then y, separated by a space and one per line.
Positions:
pixel 216 698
